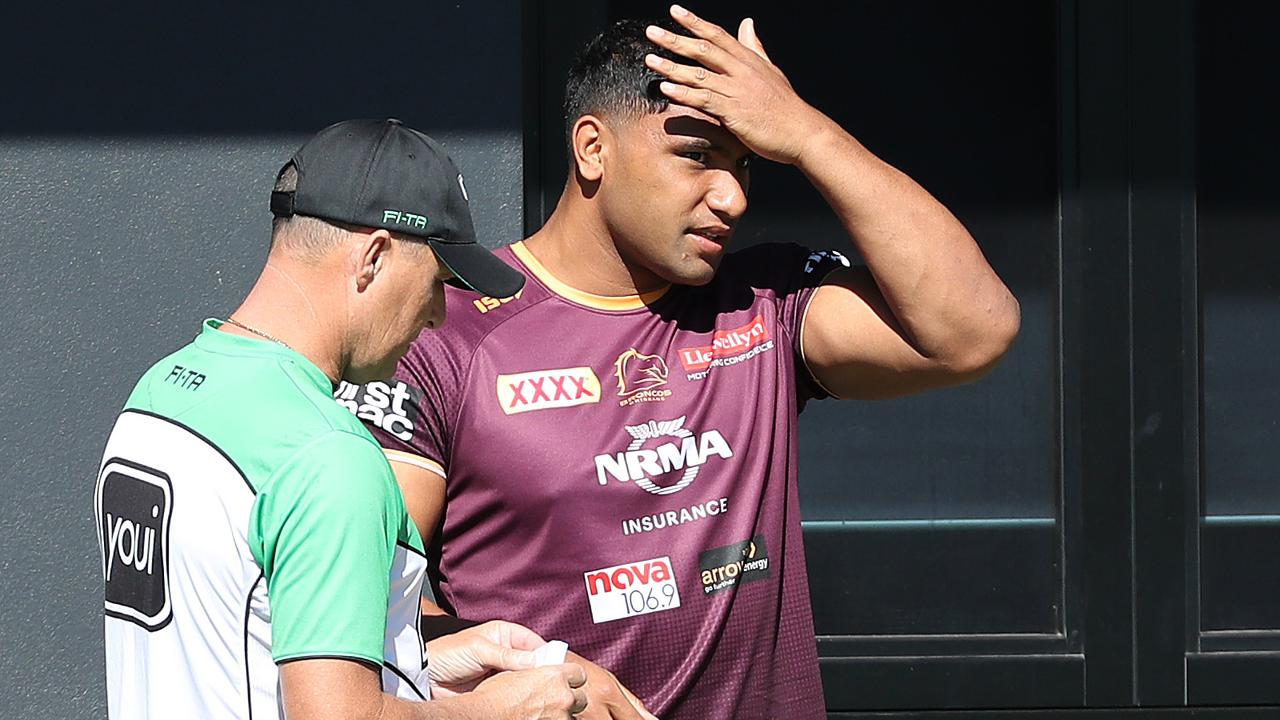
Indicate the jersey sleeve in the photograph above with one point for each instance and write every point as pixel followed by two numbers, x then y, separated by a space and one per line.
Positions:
pixel 413 413
pixel 791 273
pixel 324 530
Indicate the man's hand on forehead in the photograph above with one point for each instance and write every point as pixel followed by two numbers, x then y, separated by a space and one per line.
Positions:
pixel 737 83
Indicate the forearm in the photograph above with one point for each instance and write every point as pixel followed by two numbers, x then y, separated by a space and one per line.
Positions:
pixel 950 304
pixel 328 689
pixel 461 707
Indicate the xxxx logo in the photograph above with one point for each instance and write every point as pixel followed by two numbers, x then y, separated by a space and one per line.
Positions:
pixel 543 389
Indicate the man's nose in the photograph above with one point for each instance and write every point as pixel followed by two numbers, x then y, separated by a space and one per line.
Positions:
pixel 436 314
pixel 727 197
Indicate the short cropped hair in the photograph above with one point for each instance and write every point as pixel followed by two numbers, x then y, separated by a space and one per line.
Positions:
pixel 609 77
pixel 301 235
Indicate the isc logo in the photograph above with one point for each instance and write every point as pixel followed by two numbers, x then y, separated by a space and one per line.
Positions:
pixel 485 304
pixel 133 504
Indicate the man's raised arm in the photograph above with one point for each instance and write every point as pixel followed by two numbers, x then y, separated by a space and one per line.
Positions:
pixel 928 310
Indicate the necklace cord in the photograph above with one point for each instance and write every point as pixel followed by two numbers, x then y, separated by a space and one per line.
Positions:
pixel 232 321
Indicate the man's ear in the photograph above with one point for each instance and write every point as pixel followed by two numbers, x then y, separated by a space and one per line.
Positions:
pixel 588 145
pixel 368 256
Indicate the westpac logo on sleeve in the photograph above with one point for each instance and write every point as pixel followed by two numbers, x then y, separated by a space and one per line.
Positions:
pixel 820 258
pixel 133 505
pixel 543 389
pixel 390 405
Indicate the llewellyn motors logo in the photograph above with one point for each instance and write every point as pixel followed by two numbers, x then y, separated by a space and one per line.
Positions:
pixel 640 378
pixel 650 467
pixel 728 347
pixel 824 259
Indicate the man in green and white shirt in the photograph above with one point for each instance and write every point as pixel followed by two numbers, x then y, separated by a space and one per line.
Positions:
pixel 258 558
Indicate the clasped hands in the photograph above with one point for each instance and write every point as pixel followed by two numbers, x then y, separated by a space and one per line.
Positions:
pixel 497 657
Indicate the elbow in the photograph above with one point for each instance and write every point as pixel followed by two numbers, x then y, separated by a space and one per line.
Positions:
pixel 987 346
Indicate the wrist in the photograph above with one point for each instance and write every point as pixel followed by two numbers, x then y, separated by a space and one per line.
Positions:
pixel 469 706
pixel 820 139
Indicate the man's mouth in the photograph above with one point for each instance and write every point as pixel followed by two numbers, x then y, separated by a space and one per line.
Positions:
pixel 718 236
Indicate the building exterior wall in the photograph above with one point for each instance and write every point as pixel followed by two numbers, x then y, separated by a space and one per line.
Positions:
pixel 137 154
pixel 1095 525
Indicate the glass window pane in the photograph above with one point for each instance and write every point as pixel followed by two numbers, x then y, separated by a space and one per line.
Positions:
pixel 1238 206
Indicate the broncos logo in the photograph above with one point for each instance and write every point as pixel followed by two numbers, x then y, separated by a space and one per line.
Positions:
pixel 636 371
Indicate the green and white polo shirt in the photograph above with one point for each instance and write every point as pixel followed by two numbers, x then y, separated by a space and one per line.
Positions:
pixel 246 519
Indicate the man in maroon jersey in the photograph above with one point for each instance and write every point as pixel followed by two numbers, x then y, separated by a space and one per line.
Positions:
pixel 610 456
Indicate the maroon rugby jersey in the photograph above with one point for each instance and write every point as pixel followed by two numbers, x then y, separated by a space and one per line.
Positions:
pixel 621 475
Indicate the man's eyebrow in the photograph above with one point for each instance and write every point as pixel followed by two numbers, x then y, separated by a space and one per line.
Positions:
pixel 695 142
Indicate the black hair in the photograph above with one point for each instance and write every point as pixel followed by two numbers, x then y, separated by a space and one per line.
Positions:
pixel 609 76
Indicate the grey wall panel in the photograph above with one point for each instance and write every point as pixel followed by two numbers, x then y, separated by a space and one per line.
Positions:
pixel 135 213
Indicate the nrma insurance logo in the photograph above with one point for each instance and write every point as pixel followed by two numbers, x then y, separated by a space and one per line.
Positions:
pixel 134 505
pixel 664 457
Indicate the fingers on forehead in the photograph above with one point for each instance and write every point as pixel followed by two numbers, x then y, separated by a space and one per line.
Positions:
pixel 698 49
pixel 709 41
pixel 693 75
pixel 697 25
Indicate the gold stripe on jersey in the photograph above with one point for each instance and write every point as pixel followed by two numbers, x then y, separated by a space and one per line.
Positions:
pixel 599 302
pixel 415 460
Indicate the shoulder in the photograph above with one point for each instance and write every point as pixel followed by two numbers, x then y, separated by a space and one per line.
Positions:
pixel 338 470
pixel 279 411
pixel 348 456
pixel 170 367
pixel 771 272
pixel 311 410
pixel 469 320
pixel 280 397
pixel 777 265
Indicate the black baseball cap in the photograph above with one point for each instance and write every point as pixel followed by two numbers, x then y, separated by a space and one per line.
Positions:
pixel 381 174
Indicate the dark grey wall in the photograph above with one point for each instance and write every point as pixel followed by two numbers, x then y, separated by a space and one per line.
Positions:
pixel 136 157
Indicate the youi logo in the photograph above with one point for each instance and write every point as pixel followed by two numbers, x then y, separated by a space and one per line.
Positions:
pixel 134 504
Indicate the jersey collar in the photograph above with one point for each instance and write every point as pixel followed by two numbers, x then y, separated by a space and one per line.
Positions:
pixel 215 340
pixel 599 302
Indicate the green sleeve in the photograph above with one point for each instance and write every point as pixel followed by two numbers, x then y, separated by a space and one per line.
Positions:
pixel 324 530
